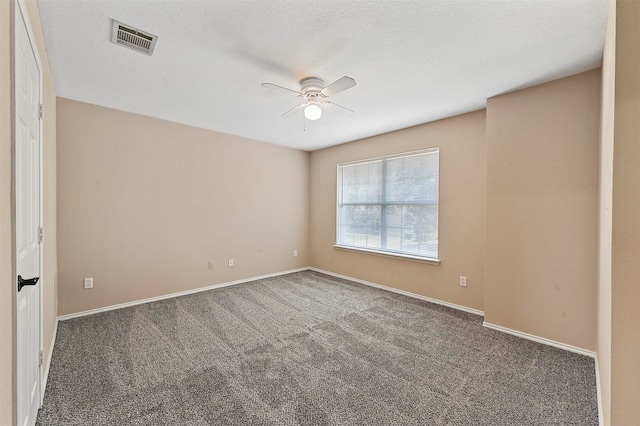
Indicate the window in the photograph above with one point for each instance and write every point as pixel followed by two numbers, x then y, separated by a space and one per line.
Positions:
pixel 390 205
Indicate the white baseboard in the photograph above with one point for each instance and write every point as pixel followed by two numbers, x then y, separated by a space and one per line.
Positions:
pixel 539 339
pixel 406 293
pixel 171 295
pixel 45 377
pixel 599 393
pixel 523 335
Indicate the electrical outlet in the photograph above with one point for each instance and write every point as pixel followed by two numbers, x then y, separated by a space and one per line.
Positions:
pixel 295 253
pixel 211 264
pixel 88 282
pixel 463 281
pixel 230 262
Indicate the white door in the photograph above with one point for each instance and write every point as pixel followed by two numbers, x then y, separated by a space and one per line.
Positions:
pixel 27 181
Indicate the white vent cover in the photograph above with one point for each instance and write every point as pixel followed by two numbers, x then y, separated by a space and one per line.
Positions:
pixel 133 38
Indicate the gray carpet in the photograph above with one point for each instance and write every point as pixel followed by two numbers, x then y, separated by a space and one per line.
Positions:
pixel 307 349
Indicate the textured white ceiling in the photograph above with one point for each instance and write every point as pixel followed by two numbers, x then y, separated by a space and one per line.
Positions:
pixel 414 61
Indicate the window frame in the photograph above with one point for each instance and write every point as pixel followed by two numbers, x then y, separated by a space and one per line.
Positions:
pixel 383 205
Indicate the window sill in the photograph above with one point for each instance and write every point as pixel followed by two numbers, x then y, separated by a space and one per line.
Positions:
pixel 390 254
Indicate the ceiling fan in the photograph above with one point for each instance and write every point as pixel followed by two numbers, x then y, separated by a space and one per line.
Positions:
pixel 314 92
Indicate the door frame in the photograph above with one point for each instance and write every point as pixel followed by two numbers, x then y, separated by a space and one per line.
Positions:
pixel 20 12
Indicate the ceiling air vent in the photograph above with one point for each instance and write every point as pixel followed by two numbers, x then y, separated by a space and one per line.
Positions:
pixel 132 38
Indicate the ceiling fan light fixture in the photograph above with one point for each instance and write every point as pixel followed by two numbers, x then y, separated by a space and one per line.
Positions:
pixel 312 111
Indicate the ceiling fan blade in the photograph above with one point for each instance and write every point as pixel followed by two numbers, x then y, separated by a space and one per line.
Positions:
pixel 280 89
pixel 293 110
pixel 338 109
pixel 338 86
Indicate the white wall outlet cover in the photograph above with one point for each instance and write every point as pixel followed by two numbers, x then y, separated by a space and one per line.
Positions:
pixel 295 253
pixel 88 283
pixel 230 262
pixel 463 281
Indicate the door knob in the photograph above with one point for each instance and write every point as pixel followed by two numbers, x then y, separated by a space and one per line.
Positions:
pixel 22 282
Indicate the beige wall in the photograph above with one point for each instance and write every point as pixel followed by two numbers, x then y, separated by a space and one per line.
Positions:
pixel 6 220
pixel 461 216
pixel 145 204
pixel 625 266
pixel 541 207
pixel 603 348
pixel 7 273
pixel 537 273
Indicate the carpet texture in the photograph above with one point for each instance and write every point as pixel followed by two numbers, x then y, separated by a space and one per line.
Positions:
pixel 307 349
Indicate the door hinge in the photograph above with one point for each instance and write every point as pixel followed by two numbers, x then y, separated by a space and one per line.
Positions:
pixel 40 234
pixel 41 357
pixel 41 111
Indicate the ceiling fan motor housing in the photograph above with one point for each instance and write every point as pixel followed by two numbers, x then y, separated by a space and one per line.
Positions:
pixel 311 86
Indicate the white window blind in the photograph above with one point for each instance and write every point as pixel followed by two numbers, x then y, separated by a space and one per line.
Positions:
pixel 390 204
